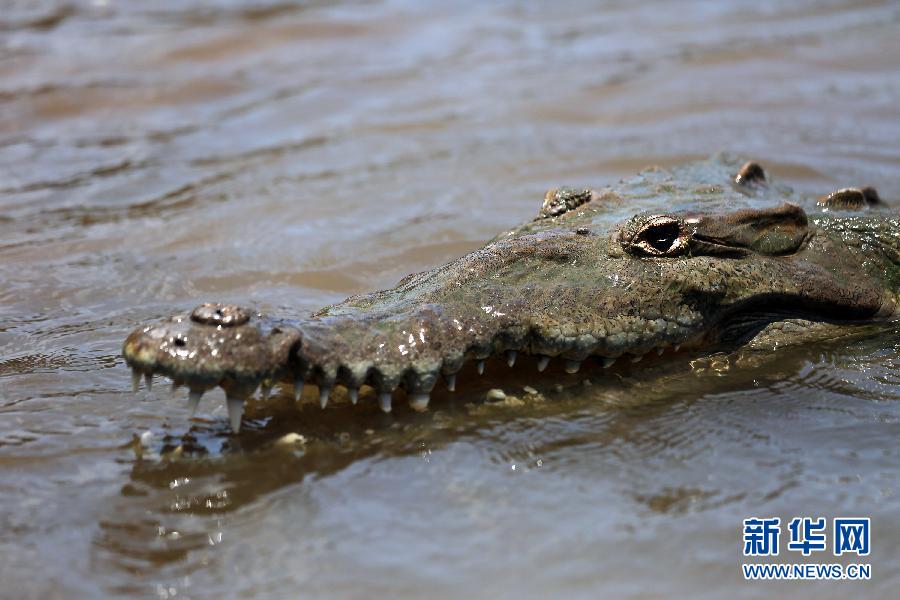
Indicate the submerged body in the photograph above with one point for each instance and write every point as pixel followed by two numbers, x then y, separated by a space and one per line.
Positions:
pixel 701 256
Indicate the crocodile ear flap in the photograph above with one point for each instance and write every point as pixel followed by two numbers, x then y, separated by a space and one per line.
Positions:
pixel 774 231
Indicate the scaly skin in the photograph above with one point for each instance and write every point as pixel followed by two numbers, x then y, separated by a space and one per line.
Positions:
pixel 700 256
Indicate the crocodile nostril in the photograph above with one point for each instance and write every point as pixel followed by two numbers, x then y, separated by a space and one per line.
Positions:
pixel 751 173
pixel 226 315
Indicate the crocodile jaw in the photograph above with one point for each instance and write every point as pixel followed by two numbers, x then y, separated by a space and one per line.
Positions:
pixel 410 336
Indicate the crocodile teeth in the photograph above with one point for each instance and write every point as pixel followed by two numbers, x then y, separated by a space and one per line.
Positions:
pixel 637 359
pixel 511 358
pixel 542 363
pixel 235 411
pixel 135 380
pixel 608 362
pixel 677 347
pixel 194 401
pixel 419 402
pixel 354 395
pixel 384 401
pixel 480 366
pixel 451 382
pixel 323 395
pixel 298 388
pixel 660 350
pixel 572 366
pixel 148 379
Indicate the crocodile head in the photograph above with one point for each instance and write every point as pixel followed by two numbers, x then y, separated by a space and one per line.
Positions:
pixel 700 256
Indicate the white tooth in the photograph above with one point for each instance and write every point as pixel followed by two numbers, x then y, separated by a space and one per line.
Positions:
pixel 608 362
pixel 135 380
pixel 480 366
pixel 146 438
pixel 660 350
pixel 354 395
pixel 419 402
pixel 148 379
pixel 572 366
pixel 676 347
pixel 543 362
pixel 451 382
pixel 298 388
pixel 265 391
pixel 194 401
pixel 637 359
pixel 235 412
pixel 511 357
pixel 384 401
pixel 323 395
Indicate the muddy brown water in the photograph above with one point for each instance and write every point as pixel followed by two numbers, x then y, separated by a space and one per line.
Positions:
pixel 153 156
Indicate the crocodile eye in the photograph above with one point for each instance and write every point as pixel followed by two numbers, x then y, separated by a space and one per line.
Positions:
pixel 661 236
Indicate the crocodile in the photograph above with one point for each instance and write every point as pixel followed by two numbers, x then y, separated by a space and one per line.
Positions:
pixel 710 254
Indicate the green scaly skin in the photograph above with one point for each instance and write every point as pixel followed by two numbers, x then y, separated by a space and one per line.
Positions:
pixel 704 255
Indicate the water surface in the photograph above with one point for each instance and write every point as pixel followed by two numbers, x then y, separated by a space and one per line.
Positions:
pixel 284 154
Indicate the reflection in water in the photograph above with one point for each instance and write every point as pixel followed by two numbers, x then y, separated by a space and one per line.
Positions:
pixel 289 154
pixel 666 441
